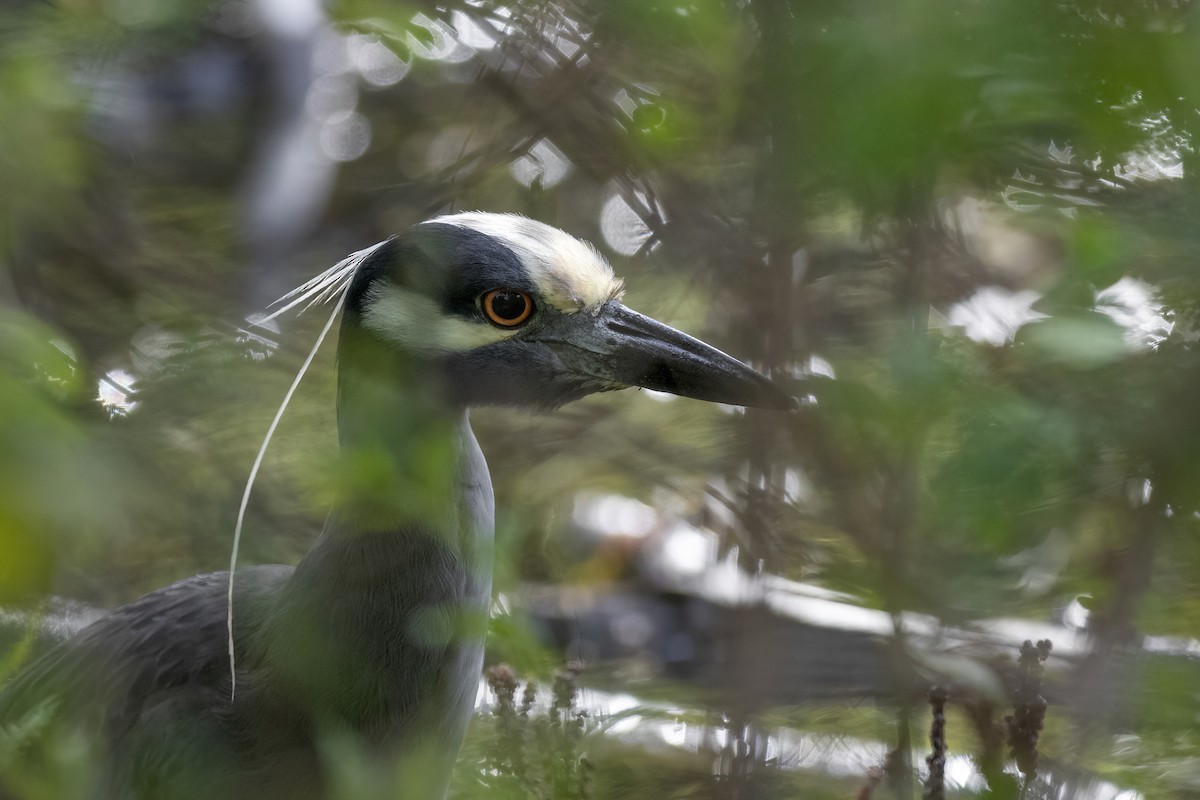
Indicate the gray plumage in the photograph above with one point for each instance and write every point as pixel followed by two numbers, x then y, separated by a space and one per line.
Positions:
pixel 375 640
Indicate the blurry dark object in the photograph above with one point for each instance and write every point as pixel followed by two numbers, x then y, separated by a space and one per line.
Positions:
pixel 376 636
pixel 1029 708
pixel 935 781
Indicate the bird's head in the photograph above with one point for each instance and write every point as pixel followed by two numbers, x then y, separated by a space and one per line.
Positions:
pixel 515 312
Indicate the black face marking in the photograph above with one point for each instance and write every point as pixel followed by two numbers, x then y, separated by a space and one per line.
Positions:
pixel 451 265
pixel 376 266
pixel 473 264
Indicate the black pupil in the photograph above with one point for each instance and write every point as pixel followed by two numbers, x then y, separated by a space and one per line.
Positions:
pixel 508 305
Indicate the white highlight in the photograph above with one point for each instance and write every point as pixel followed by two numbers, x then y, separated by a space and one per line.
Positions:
pixel 115 392
pixel 542 162
pixel 375 61
pixel 346 136
pixel 688 550
pixel 993 315
pixel 623 228
pixel 443 44
pixel 569 273
pixel 614 515
pixel 292 19
pixel 1132 304
pixel 472 34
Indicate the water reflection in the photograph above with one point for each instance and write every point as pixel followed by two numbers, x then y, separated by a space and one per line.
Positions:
pixel 653 725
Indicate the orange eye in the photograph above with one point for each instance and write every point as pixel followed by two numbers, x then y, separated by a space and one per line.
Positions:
pixel 507 308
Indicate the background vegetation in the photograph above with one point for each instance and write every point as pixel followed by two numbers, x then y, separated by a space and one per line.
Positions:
pixel 964 232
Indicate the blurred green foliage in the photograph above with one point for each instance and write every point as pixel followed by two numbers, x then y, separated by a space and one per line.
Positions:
pixel 787 179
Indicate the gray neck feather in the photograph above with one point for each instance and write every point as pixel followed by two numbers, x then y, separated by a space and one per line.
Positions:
pixel 382 622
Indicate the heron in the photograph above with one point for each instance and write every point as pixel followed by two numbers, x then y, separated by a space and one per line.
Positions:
pixel 375 639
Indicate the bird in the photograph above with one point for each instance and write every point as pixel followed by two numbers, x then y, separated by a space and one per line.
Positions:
pixel 374 642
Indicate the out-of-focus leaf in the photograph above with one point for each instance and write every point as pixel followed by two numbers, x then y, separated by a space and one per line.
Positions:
pixel 1079 342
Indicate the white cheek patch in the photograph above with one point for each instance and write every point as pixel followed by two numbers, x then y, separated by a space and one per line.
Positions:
pixel 569 273
pixel 419 325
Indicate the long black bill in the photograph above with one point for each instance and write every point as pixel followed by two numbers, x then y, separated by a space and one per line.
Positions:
pixel 621 346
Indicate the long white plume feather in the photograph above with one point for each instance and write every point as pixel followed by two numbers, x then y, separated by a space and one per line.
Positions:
pixel 330 284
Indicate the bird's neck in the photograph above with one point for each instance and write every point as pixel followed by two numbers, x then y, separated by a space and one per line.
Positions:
pixel 414 497
pixel 383 619
pixel 409 459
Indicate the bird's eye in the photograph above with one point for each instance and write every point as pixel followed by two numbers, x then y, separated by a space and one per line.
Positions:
pixel 507 308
